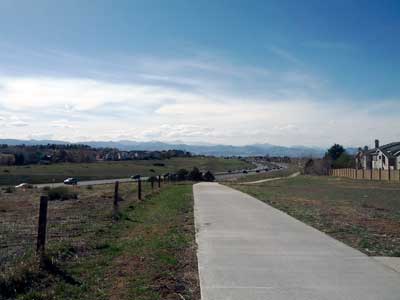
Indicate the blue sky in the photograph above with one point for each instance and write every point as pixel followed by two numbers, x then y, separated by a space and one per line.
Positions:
pixel 231 72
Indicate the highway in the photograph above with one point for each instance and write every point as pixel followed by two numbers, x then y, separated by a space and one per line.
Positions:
pixel 89 182
pixel 219 176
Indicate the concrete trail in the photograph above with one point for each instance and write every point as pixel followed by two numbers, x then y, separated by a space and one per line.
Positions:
pixel 248 250
pixel 270 179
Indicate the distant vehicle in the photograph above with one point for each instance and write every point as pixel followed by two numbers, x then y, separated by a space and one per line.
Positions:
pixel 245 172
pixel 266 169
pixel 257 171
pixel 71 181
pixel 229 171
pixel 135 177
pixel 23 185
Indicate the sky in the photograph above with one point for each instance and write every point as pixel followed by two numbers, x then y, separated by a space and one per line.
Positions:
pixel 233 72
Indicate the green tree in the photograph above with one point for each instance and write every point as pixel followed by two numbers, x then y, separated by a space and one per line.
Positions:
pixel 344 161
pixel 335 152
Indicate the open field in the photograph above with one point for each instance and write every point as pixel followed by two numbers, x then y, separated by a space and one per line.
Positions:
pixel 12 175
pixel 362 214
pixel 265 175
pixel 149 253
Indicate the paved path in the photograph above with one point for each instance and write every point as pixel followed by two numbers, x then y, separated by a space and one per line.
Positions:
pixel 248 250
pixel 271 179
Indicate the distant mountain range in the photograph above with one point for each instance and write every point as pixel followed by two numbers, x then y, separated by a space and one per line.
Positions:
pixel 201 149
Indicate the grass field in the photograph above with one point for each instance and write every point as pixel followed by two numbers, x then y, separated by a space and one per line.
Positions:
pixel 265 175
pixel 362 214
pixel 148 254
pixel 12 175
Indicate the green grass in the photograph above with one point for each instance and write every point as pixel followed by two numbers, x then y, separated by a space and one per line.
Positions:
pixel 12 175
pixel 362 214
pixel 148 254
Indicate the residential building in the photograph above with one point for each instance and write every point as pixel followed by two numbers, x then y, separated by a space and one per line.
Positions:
pixel 386 157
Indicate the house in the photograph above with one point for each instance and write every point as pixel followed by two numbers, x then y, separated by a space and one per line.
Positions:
pixel 386 157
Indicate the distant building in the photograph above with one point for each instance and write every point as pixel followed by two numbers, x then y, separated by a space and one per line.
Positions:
pixel 386 157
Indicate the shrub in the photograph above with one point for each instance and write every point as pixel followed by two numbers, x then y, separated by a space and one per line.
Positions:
pixel 46 188
pixel 9 189
pixel 61 193
pixel 89 187
pixel 152 179
pixel 208 176
pixel 182 174
pixel 195 175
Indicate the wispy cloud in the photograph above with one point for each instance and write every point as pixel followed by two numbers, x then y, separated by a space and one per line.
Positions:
pixel 192 99
pixel 285 55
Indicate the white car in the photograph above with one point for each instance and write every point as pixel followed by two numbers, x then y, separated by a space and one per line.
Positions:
pixel 22 185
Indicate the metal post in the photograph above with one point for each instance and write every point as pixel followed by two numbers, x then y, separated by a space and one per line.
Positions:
pixel 41 237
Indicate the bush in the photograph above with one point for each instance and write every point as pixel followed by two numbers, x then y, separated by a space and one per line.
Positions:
pixel 195 175
pixel 61 193
pixel 208 176
pixel 182 174
pixel 90 187
pixel 317 167
pixel 9 189
pixel 152 179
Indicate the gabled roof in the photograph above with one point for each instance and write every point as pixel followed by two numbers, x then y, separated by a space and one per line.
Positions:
pixel 392 149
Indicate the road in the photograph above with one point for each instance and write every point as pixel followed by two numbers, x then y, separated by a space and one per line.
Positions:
pixel 260 168
pixel 89 182
pixel 220 175
pixel 249 250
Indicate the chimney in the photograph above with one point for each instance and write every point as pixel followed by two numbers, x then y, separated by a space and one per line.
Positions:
pixel 376 143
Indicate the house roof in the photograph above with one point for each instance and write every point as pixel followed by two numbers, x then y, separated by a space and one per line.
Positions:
pixel 392 149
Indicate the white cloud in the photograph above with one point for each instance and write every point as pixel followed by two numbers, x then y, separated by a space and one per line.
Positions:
pixel 193 101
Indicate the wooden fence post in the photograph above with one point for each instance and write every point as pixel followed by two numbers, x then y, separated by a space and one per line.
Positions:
pixel 389 175
pixel 363 173
pixel 116 198
pixel 159 181
pixel 370 175
pixel 152 184
pixel 41 237
pixel 380 174
pixel 139 189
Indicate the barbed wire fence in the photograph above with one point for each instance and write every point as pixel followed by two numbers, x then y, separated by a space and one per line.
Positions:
pixel 72 222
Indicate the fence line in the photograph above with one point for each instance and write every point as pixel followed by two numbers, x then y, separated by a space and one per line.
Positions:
pixel 28 225
pixel 376 174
